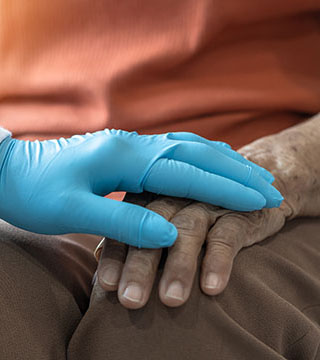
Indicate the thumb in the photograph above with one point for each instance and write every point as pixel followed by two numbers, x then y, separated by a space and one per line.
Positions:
pixel 124 222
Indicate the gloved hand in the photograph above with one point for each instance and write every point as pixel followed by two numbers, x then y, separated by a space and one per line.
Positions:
pixel 57 186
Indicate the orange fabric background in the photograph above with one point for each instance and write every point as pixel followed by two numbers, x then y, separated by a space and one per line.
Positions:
pixel 226 69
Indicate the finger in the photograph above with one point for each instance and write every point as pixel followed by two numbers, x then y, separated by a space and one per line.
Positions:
pixel 141 265
pixel 188 136
pixel 170 177
pixel 121 221
pixel 225 149
pixel 260 170
pixel 113 253
pixel 231 233
pixel 137 277
pixel 213 161
pixel 176 282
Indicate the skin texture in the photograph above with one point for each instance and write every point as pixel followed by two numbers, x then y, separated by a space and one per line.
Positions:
pixel 292 156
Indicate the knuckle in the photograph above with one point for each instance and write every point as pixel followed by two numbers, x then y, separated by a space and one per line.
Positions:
pixel 246 223
pixel 142 263
pixel 168 201
pixel 205 208
pixel 185 221
pixel 162 209
pixel 194 220
pixel 238 230
pixel 222 248
pixel 228 238
pixel 183 262
pixel 111 144
pixel 184 255
pixel 115 141
pixel 167 206
pixel 200 209
pixel 174 202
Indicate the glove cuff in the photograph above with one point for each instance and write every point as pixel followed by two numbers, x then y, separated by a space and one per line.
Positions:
pixel 4 133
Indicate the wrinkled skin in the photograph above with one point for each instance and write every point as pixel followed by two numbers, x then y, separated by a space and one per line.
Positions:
pixel 292 156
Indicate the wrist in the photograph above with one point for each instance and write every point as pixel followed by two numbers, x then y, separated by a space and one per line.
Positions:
pixel 300 151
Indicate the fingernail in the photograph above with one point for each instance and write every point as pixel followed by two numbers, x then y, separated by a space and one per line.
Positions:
pixel 175 291
pixel 277 195
pixel 277 198
pixel 133 293
pixel 110 277
pixel 212 281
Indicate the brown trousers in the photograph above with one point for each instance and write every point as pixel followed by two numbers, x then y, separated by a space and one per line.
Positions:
pixel 270 309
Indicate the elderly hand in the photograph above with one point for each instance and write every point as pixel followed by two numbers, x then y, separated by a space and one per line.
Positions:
pixel 293 158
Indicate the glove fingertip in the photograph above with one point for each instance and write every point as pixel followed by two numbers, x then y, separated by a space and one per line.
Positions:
pixel 157 232
pixel 267 175
pixel 262 203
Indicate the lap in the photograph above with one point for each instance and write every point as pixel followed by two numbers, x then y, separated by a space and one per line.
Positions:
pixel 270 309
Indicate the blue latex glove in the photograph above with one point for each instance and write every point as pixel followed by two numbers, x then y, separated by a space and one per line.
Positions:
pixel 57 186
